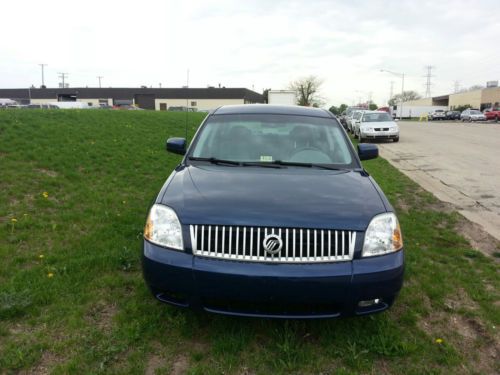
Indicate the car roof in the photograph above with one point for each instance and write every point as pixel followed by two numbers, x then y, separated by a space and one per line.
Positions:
pixel 272 110
pixel 365 112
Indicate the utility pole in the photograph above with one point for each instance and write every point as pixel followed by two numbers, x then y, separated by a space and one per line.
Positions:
pixel 391 92
pixel 456 86
pixel 428 81
pixel 43 76
pixel 63 76
pixel 402 75
pixel 99 78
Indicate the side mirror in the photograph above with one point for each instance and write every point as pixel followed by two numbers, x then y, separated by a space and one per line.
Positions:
pixel 176 145
pixel 367 151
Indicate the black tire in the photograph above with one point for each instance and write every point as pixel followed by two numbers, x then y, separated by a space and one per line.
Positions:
pixel 396 139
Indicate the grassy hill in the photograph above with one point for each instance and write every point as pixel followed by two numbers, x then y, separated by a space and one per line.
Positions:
pixel 75 188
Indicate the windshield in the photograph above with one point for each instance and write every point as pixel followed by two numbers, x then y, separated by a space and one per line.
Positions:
pixel 266 138
pixel 376 117
pixel 475 112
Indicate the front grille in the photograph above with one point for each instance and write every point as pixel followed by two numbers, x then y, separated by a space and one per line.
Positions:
pixel 381 129
pixel 256 244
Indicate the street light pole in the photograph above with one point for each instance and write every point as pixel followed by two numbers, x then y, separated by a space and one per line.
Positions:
pixel 402 75
pixel 43 78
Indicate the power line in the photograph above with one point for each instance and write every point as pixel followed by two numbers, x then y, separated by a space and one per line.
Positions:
pixel 428 81
pixel 99 78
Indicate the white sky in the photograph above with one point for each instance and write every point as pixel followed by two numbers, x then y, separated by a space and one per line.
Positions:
pixel 254 44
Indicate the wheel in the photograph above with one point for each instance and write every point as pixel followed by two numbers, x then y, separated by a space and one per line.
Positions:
pixel 470 119
pixel 396 139
pixel 497 118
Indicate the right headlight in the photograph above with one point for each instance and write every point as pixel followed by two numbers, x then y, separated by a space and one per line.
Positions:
pixel 382 236
pixel 163 227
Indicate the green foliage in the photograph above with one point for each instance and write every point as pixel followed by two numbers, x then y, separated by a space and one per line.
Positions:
pixel 94 315
pixel 462 108
pixel 372 107
pixel 338 110
pixel 406 96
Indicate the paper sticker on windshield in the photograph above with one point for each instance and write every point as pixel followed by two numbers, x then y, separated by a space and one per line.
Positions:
pixel 266 158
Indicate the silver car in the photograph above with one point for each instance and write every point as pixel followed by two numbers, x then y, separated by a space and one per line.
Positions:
pixel 351 121
pixel 376 125
pixel 472 115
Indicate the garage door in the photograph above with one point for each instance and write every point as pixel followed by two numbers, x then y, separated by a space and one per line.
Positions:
pixel 145 101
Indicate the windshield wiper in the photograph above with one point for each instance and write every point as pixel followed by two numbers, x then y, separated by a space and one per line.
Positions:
pixel 215 160
pixel 308 165
pixel 263 164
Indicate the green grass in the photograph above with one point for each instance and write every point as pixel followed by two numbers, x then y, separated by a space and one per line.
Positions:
pixel 100 170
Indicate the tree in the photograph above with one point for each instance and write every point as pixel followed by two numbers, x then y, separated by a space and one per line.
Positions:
pixel 407 96
pixel 372 107
pixel 338 110
pixel 307 89
pixel 475 87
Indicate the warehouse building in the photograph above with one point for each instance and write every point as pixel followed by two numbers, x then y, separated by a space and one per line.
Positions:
pixel 160 99
pixel 479 99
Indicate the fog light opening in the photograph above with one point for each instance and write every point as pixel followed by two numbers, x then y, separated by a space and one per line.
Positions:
pixel 369 302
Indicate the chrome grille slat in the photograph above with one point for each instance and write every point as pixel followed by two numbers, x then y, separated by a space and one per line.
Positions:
pixel 298 245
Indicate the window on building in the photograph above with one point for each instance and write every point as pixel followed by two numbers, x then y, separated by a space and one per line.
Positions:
pixel 103 102
pixel 90 104
pixel 163 106
pixel 193 104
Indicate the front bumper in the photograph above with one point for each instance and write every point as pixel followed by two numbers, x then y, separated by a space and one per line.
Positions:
pixel 380 135
pixel 321 290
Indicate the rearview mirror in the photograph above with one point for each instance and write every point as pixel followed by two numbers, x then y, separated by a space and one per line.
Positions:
pixel 176 145
pixel 367 151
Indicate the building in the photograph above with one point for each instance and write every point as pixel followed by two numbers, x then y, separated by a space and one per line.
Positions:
pixel 147 98
pixel 480 99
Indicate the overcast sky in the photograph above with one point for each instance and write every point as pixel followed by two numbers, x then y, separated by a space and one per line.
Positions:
pixel 253 44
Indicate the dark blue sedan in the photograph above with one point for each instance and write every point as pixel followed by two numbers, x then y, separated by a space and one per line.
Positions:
pixel 271 214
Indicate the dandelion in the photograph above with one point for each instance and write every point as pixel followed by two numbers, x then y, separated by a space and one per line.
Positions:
pixel 124 202
pixel 439 341
pixel 50 275
pixel 41 256
pixel 14 220
pixel 45 194
pixel 25 215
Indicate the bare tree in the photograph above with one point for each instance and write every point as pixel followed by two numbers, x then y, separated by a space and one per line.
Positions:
pixel 307 89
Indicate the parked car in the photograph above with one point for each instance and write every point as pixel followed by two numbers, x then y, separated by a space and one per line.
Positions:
pixel 438 114
pixel 376 125
pixel 453 115
pixel 492 114
pixel 472 115
pixel 347 115
pixel 271 214
pixel 356 115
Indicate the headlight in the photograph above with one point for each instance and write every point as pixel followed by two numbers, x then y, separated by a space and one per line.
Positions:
pixel 382 236
pixel 163 227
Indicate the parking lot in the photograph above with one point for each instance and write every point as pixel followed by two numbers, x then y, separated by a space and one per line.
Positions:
pixel 457 162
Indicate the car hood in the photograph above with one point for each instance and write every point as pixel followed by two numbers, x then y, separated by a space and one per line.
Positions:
pixel 287 197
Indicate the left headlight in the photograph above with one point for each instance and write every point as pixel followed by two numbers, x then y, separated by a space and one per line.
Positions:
pixel 163 227
pixel 383 235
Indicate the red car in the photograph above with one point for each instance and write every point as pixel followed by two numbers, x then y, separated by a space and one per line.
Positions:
pixel 492 114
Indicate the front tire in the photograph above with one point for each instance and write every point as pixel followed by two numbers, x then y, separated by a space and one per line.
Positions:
pixel 396 139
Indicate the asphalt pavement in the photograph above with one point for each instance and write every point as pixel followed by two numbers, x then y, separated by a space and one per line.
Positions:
pixel 458 162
